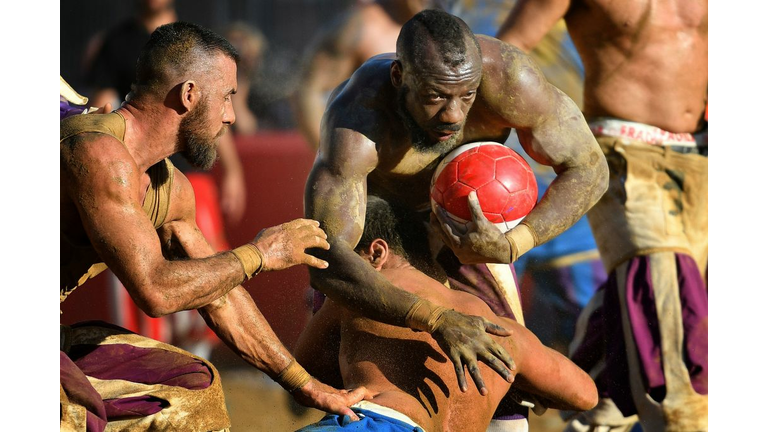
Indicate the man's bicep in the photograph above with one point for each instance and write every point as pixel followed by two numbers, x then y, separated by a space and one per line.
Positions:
pixel 180 235
pixel 530 20
pixel 118 228
pixel 562 139
pixel 549 125
pixel 338 203
pixel 335 193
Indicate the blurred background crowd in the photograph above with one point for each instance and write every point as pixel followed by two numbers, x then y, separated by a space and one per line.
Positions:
pixel 293 53
pixel 276 34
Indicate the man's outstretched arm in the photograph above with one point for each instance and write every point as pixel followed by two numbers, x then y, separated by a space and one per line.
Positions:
pixel 103 181
pixel 335 195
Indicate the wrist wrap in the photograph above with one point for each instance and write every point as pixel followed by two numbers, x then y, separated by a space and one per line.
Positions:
pixel 250 258
pixel 424 316
pixel 293 377
pixel 521 238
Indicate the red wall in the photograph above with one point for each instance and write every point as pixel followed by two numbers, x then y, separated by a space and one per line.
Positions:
pixel 276 166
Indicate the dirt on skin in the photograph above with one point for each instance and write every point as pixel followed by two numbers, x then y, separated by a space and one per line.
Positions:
pixel 257 404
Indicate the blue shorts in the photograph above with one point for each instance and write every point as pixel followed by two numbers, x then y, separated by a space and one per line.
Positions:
pixel 369 421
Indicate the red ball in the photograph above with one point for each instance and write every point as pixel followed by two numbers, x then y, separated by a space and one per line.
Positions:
pixel 505 184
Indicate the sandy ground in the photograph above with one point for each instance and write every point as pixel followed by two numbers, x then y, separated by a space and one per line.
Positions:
pixel 257 404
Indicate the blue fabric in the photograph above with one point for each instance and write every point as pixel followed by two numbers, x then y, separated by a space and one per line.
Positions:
pixel 371 422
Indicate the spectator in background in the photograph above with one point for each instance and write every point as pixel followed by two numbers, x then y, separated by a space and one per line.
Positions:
pixel 111 72
pixel 369 28
pixel 113 66
pixel 250 44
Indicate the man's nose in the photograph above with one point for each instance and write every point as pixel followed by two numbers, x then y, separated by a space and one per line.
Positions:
pixel 452 113
pixel 229 115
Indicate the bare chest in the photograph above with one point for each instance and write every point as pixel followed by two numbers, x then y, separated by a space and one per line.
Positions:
pixel 636 18
pixel 404 179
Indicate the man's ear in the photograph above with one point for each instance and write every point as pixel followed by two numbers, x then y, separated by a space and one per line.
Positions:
pixel 189 94
pixel 396 73
pixel 378 253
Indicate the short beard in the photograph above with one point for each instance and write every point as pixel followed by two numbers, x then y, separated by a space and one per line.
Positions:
pixel 420 140
pixel 199 150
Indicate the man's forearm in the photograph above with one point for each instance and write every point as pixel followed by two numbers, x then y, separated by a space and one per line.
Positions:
pixel 566 142
pixel 184 284
pixel 354 284
pixel 567 199
pixel 239 323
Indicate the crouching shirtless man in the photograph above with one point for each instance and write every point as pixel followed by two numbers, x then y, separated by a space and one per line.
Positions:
pixel 124 206
pixel 410 375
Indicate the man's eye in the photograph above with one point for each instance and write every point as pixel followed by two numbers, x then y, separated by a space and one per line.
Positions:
pixel 469 95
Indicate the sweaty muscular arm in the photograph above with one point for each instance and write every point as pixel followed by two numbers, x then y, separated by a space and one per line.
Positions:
pixel 546 373
pixel 335 195
pixel 530 20
pixel 330 61
pixel 103 181
pixel 553 131
pixel 542 371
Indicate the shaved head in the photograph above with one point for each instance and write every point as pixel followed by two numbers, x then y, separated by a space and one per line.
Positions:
pixel 434 35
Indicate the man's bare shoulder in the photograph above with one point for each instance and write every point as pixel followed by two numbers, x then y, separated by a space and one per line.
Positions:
pixel 370 84
pixel 504 63
pixel 96 172
pixel 416 282
pixel 89 153
pixel 364 103
pixel 511 80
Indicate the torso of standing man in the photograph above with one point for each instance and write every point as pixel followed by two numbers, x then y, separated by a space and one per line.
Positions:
pixel 644 60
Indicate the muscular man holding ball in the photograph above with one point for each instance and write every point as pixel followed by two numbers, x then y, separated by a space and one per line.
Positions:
pixel 387 128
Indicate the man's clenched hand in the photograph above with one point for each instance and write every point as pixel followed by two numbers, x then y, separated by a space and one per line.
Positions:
pixel 482 243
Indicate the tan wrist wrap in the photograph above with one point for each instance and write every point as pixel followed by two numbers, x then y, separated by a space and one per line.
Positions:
pixel 293 377
pixel 522 238
pixel 424 316
pixel 250 258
